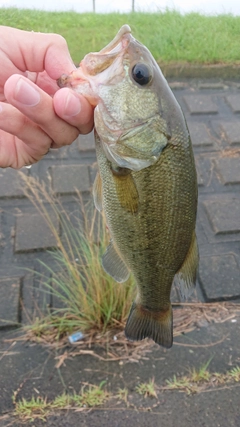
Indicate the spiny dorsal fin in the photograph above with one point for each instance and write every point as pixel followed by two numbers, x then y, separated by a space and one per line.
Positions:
pixel 114 265
pixel 185 279
pixel 97 192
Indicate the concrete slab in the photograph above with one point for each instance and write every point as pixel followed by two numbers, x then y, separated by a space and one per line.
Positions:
pixel 224 271
pixel 223 215
pixel 232 131
pixel 200 135
pixel 234 102
pixel 34 233
pixel 10 293
pixel 11 184
pixel 200 104
pixel 68 179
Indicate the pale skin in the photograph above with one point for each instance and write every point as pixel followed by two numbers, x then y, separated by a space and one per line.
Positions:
pixel 35 115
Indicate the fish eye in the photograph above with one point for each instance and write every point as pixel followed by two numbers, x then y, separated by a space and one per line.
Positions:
pixel 141 74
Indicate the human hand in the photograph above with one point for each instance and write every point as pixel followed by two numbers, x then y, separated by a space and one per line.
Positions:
pixel 35 114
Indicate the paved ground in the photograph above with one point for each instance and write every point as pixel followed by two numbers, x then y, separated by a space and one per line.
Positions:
pixel 212 110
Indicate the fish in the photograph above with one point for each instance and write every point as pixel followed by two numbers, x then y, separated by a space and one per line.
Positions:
pixel 146 185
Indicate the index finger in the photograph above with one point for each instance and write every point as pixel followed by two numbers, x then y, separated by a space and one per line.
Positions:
pixel 29 51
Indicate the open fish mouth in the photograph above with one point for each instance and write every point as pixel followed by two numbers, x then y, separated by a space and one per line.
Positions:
pixel 96 62
pixel 115 43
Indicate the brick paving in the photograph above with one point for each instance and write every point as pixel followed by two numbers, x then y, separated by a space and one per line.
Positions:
pixel 212 111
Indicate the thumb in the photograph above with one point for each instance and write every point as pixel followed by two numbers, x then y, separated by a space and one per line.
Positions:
pixel 74 109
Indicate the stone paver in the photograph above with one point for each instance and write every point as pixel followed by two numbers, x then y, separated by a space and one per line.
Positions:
pixel 224 216
pixel 224 271
pixel 229 170
pixel 200 135
pixel 232 131
pixel 200 104
pixel 11 183
pixel 86 143
pixel 234 102
pixel 10 313
pixel 69 179
pixel 211 110
pixel 34 233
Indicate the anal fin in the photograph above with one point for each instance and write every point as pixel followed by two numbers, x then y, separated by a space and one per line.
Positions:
pixel 114 265
pixel 143 323
pixel 185 279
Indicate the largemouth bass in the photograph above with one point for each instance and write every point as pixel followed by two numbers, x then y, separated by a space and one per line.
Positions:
pixel 147 182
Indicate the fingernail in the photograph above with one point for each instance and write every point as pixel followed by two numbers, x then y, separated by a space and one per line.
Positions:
pixel 26 94
pixel 73 105
pixel 1 108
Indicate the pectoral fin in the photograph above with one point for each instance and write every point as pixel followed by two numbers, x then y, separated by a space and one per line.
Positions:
pixel 185 279
pixel 97 192
pixel 126 188
pixel 114 265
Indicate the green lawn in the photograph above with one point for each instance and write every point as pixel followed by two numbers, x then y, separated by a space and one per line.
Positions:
pixel 170 36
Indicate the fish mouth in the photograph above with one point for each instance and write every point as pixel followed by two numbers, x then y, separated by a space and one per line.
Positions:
pixel 95 63
pixel 120 36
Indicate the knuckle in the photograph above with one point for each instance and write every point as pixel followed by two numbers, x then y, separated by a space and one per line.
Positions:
pixel 86 128
pixel 59 40
pixel 21 125
pixel 66 137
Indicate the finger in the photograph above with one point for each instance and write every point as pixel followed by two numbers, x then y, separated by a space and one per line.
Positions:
pixel 15 153
pixel 44 52
pixel 37 105
pixel 43 81
pixel 10 155
pixel 74 109
pixel 31 143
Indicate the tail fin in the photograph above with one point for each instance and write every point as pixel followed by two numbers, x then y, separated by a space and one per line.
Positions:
pixel 143 323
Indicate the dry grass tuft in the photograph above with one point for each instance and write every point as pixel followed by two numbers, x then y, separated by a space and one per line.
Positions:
pixel 91 301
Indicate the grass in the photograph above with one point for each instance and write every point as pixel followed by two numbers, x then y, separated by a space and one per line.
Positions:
pixel 235 373
pixel 92 396
pixel 170 36
pixel 147 389
pixel 200 379
pixel 122 394
pixel 33 408
pixel 191 383
pixel 89 300
pixel 89 397
pixel 202 374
